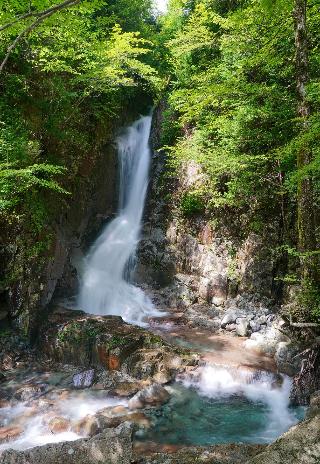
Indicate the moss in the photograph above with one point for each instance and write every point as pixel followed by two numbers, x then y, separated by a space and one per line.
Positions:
pixel 77 332
pixel 116 342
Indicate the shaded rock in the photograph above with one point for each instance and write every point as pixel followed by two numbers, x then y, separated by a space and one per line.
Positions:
pixel 219 454
pixel 73 337
pixel 314 408
pixel 137 418
pixel 307 381
pixel 151 396
pixel 3 315
pixel 301 445
pixel 113 446
pixel 285 358
pixel 83 379
pixel 242 328
pixel 88 426
pixel 28 392
pixel 231 327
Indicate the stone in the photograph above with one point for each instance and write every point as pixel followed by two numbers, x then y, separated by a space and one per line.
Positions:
pixel 301 444
pixel 28 392
pixel 112 446
pixel 218 454
pixel 242 328
pixel 231 327
pixel 229 318
pixel 314 408
pixel 84 379
pixel 9 433
pixel 285 358
pixel 255 326
pixel 107 342
pixel 218 301
pixel 151 396
pixel 87 426
pixel 59 425
pixel 139 419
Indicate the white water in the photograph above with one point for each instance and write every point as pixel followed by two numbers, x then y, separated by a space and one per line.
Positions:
pixel 106 287
pixel 258 387
pixel 34 420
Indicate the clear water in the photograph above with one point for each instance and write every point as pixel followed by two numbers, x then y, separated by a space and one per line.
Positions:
pixel 190 418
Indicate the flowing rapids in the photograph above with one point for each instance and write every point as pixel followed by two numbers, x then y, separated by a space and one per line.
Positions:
pixel 106 287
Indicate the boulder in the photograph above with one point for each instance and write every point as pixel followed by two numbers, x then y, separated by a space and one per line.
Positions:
pixel 73 337
pixel 87 426
pixel 9 433
pixel 229 318
pixel 151 396
pixel 218 454
pixel 113 446
pixel 83 379
pixel 28 392
pixel 314 408
pixel 59 425
pixel 242 328
pixel 301 445
pixel 255 326
pixel 285 358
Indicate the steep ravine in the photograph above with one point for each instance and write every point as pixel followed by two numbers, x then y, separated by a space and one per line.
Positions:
pixel 96 373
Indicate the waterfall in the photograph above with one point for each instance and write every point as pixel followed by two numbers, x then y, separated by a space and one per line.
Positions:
pixel 106 287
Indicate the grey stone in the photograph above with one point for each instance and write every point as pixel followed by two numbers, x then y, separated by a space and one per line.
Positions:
pixel 83 379
pixel 242 328
pixel 218 301
pixel 255 326
pixel 229 318
pixel 113 446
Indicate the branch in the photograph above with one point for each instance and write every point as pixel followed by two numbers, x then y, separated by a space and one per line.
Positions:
pixel 37 14
pixel 40 17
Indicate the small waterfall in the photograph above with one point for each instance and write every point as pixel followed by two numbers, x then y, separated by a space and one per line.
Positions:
pixel 258 387
pixel 106 287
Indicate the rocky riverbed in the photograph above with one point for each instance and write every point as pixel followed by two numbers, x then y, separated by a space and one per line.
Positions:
pixel 73 397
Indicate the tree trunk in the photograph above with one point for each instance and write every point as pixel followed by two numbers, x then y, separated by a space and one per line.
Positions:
pixel 306 219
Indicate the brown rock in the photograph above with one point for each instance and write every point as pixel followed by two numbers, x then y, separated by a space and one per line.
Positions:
pixel 59 425
pixel 151 396
pixel 88 426
pixel 9 433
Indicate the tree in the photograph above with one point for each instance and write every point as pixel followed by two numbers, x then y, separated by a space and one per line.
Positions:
pixel 306 210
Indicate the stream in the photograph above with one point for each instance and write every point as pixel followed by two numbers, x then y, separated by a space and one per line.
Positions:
pixel 234 396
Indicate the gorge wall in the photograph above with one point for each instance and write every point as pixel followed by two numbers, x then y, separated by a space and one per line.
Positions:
pixel 40 265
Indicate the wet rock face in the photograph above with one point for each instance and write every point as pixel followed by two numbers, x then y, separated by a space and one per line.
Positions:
pixel 35 279
pixel 73 337
pixel 223 261
pixel 113 446
pixel 307 380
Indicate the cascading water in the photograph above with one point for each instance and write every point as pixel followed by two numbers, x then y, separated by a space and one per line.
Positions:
pixel 218 404
pixel 106 288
